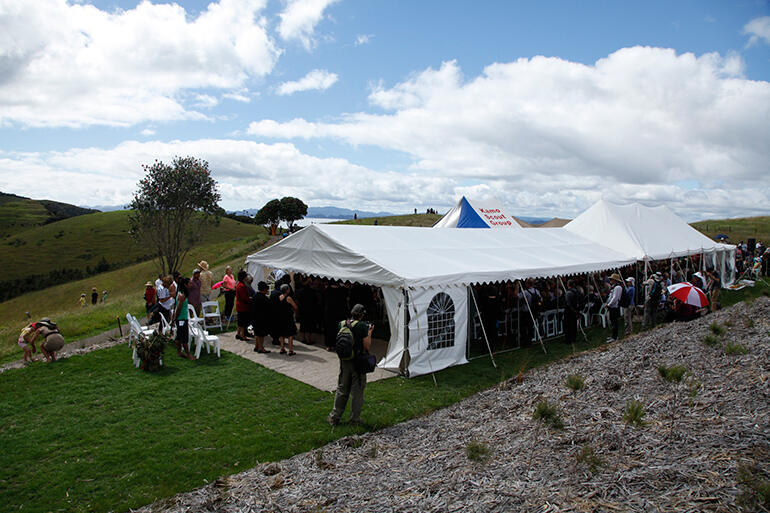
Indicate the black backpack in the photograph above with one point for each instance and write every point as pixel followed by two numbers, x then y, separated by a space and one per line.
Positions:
pixel 345 343
pixel 625 298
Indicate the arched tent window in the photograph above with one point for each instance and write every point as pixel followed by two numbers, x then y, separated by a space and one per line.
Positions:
pixel 441 321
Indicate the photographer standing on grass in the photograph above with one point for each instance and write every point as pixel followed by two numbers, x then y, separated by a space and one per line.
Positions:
pixel 350 380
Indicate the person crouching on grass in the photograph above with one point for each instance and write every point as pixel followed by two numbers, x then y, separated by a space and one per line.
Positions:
pixel 181 319
pixel 27 339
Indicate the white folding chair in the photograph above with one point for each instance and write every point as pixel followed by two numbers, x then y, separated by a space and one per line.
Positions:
pixel 135 331
pixel 201 338
pixel 192 314
pixel 549 322
pixel 167 328
pixel 603 314
pixel 211 315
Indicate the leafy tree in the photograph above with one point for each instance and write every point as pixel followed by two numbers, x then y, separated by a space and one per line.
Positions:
pixel 270 215
pixel 292 209
pixel 172 208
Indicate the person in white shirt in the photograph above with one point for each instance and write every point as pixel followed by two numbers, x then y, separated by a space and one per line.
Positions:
pixel 613 306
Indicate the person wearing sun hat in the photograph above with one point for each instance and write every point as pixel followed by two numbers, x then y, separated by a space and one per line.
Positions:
pixel 613 304
pixel 207 280
pixel 150 297
pixel 654 292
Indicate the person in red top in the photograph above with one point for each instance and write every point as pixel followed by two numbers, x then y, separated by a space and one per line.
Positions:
pixel 150 297
pixel 242 306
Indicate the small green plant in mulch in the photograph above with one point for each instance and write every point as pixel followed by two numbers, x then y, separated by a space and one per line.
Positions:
pixel 693 389
pixel 320 461
pixel 755 487
pixel 478 451
pixel 548 414
pixel 749 322
pixel 716 328
pixel 587 456
pixel 735 349
pixel 634 413
pixel 675 373
pixel 711 340
pixel 729 322
pixel 575 382
pixel 150 350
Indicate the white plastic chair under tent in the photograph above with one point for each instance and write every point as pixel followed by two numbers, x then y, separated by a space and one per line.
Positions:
pixel 201 337
pixel 603 314
pixel 211 316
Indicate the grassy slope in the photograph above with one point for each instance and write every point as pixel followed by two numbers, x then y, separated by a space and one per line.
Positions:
pixel 403 220
pixel 82 241
pixel 737 229
pixel 125 293
pixel 18 213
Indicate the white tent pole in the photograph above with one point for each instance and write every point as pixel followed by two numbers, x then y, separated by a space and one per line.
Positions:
pixel 534 323
pixel 483 331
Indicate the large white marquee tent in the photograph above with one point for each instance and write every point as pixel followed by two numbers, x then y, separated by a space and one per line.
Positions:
pixel 425 275
pixel 651 233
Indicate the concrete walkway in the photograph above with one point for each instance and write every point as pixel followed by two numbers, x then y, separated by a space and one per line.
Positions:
pixel 312 364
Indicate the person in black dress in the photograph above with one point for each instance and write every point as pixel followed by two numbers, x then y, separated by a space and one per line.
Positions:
pixel 335 310
pixel 287 326
pixel 260 317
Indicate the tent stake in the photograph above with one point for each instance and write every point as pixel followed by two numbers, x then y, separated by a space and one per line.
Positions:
pixel 489 348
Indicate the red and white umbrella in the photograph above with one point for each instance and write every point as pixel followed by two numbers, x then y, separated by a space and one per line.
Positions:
pixel 689 294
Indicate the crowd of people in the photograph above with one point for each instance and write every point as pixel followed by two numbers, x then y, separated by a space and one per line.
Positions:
pixel 754 258
pixel 582 296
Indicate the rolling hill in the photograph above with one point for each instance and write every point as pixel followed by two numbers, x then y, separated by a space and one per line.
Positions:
pixel 18 213
pixel 81 246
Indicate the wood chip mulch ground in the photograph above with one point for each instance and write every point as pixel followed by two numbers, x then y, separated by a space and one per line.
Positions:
pixel 488 454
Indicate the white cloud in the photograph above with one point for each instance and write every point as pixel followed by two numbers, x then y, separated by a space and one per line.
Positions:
pixel 251 173
pixel 147 132
pixel 635 123
pixel 238 96
pixel 758 29
pixel 205 101
pixel 77 65
pixel 299 19
pixel 363 39
pixel 319 79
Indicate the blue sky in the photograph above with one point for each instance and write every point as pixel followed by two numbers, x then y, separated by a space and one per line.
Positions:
pixel 385 105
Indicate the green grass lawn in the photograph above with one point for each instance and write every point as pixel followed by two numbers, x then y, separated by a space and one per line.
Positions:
pixel 737 229
pixel 92 433
pixel 425 220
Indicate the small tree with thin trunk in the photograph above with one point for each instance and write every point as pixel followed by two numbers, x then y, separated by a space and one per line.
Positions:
pixel 173 207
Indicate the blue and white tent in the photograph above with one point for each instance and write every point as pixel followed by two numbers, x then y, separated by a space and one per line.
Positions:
pixel 480 214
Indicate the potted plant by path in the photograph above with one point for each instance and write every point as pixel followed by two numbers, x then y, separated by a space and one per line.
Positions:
pixel 150 350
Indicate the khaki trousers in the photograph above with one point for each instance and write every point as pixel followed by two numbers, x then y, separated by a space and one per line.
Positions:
pixel 349 383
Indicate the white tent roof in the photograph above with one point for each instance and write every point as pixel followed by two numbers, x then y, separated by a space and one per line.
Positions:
pixel 422 257
pixel 647 233
pixel 477 214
